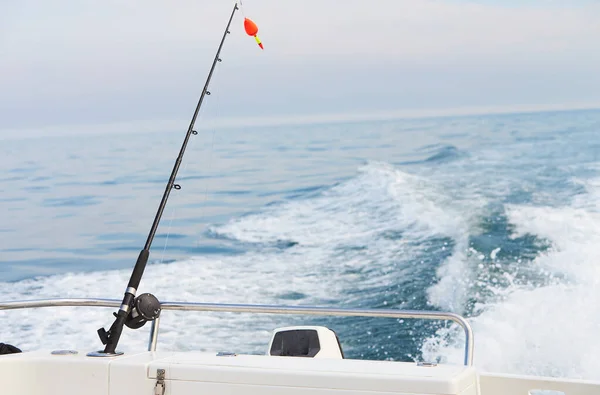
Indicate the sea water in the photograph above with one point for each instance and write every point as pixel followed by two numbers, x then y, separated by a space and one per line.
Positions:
pixel 495 217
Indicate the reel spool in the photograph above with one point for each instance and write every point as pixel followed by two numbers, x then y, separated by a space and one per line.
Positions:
pixel 146 307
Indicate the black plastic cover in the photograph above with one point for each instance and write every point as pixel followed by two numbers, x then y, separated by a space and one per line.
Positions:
pixel 296 343
pixel 8 349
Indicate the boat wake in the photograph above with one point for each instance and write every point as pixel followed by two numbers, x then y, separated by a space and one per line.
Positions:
pixel 524 274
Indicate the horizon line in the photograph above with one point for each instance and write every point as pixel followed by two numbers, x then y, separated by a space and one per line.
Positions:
pixel 153 126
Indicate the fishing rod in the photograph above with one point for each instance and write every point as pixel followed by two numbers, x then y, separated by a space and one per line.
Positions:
pixel 135 312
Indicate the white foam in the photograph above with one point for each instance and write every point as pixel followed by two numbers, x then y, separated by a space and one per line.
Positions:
pixel 355 214
pixel 380 198
pixel 551 329
pixel 244 279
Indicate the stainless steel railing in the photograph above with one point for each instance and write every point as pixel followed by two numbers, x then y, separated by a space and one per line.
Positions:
pixel 261 309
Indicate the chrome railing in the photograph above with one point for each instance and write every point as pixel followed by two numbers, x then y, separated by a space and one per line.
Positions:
pixel 261 309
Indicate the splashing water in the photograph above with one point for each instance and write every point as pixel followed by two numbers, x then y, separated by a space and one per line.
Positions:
pixel 501 226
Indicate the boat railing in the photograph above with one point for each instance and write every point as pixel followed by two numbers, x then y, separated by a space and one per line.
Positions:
pixel 260 309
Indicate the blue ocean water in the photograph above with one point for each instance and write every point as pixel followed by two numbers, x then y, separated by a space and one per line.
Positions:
pixel 491 216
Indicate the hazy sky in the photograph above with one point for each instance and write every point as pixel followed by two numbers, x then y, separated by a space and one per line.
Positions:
pixel 106 61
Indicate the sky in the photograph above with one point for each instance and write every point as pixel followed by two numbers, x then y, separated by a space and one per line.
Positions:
pixel 99 62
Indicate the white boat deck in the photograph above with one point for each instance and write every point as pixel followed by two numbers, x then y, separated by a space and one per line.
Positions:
pixel 187 373
pixel 191 373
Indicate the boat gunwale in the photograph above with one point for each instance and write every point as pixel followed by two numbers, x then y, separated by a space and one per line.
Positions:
pixel 255 308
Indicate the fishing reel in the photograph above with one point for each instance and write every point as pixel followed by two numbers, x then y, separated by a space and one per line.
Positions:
pixel 145 308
